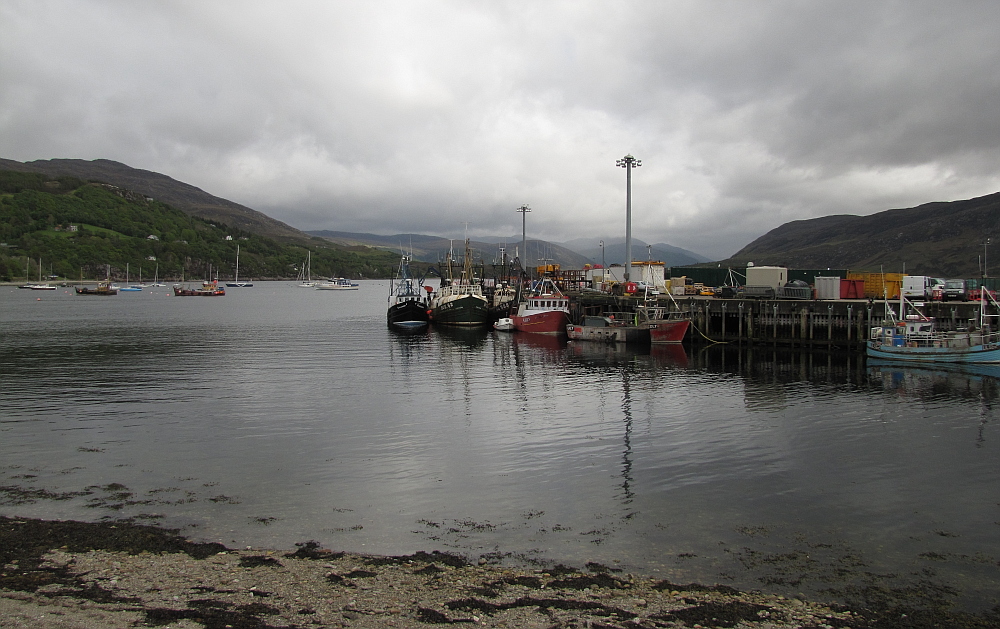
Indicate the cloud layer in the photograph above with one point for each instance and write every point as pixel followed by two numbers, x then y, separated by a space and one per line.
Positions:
pixel 420 116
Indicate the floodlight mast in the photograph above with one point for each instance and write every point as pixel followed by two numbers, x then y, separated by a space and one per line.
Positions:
pixel 524 209
pixel 628 163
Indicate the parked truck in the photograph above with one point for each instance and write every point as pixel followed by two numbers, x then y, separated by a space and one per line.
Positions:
pixel 921 286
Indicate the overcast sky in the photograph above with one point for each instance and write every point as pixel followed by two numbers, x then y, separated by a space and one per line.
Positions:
pixel 420 116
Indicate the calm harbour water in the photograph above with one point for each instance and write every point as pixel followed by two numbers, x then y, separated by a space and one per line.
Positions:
pixel 278 414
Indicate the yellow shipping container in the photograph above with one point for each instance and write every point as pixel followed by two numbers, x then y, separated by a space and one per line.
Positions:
pixel 878 285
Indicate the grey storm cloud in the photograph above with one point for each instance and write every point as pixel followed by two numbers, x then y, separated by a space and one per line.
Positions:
pixel 422 116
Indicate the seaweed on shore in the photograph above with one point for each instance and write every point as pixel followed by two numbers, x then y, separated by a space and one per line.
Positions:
pixel 25 541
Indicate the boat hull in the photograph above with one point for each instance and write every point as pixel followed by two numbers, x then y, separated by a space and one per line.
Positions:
pixel 407 314
pixel 239 284
pixel 968 355
pixel 504 324
pixel 631 335
pixel 668 331
pixel 468 310
pixel 546 322
pixel 199 292
pixel 95 291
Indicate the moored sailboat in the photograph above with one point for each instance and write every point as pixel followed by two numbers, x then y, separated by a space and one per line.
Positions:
pixel 236 283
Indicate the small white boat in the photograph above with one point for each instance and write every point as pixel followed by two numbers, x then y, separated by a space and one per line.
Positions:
pixel 337 283
pixel 504 325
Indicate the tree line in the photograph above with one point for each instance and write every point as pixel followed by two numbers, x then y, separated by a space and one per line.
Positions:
pixel 88 230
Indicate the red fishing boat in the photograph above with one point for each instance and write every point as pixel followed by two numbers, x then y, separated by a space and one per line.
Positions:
pixel 209 288
pixel 545 311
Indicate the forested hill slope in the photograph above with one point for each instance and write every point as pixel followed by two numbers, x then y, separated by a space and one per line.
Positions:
pixel 79 228
pixel 177 194
pixel 942 238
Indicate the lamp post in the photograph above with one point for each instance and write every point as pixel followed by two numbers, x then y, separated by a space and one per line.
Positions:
pixel 524 209
pixel 628 163
pixel 604 267
pixel 986 243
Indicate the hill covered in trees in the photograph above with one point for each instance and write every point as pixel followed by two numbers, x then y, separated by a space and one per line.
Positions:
pixel 82 228
pixel 177 194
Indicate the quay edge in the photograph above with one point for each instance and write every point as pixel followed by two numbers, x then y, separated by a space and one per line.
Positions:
pixel 841 323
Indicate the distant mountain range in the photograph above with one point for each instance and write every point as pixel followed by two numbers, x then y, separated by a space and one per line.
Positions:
pixel 941 239
pixel 614 252
pixel 433 249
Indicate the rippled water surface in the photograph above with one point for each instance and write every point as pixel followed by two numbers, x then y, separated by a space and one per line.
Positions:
pixel 277 414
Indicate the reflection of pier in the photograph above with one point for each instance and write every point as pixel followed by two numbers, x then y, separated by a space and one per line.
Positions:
pixel 840 323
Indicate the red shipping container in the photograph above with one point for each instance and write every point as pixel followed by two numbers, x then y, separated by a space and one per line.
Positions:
pixel 852 289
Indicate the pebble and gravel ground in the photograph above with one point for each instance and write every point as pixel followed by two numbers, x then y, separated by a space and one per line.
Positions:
pixel 74 575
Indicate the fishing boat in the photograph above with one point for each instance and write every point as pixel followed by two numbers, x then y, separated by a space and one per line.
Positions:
pixel 407 309
pixel 909 335
pixel 646 325
pixel 337 283
pixel 460 301
pixel 102 288
pixel 665 326
pixel 208 288
pixel 612 328
pixel 544 311
pixel 236 283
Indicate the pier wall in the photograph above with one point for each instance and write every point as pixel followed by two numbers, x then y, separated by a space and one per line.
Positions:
pixel 842 323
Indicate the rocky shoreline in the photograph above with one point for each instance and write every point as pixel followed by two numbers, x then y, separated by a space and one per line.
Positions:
pixel 77 575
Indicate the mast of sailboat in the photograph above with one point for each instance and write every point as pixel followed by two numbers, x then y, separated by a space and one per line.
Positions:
pixel 237 264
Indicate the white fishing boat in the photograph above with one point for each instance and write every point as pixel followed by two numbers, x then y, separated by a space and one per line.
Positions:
pixel 337 283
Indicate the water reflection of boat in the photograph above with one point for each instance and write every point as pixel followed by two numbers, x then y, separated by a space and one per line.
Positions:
pixel 468 337
pixel 545 341
pixel 895 371
pixel 669 355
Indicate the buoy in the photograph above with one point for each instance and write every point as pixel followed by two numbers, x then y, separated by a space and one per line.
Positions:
pixel 38 299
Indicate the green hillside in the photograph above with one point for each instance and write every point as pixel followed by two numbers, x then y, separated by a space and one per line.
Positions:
pixel 83 228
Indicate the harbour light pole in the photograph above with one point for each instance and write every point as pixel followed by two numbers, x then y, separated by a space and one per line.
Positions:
pixel 524 209
pixel 986 243
pixel 628 163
